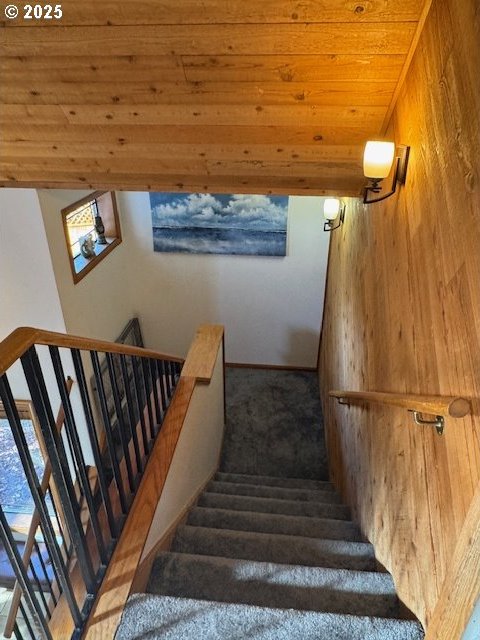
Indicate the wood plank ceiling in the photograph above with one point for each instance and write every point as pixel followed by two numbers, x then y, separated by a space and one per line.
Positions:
pixel 201 95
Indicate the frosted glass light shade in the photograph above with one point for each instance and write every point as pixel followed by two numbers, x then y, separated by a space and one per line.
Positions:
pixel 331 207
pixel 378 158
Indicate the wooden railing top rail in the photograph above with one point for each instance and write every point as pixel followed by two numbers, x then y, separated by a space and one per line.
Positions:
pixel 201 356
pixel 446 406
pixel 20 340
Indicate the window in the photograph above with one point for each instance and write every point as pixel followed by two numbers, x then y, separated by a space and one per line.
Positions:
pixel 92 230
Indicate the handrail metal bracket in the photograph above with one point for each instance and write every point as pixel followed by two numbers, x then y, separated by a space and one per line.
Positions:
pixel 343 401
pixel 438 423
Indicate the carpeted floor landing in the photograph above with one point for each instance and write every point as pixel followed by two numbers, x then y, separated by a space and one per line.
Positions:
pixel 274 424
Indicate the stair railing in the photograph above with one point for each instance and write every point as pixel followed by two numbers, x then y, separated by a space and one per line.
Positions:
pixel 32 546
pixel 94 506
pixel 439 407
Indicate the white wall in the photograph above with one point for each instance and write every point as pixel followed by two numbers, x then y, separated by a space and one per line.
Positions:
pixel 27 285
pixel 29 294
pixel 196 456
pixel 100 305
pixel 472 632
pixel 271 307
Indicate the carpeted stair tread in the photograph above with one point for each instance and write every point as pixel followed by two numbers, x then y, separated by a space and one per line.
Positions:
pixel 274 523
pixel 168 618
pixel 272 481
pixel 272 505
pixel 274 585
pixel 276 548
pixel 279 493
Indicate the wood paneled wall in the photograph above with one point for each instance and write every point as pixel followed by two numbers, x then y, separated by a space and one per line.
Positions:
pixel 403 315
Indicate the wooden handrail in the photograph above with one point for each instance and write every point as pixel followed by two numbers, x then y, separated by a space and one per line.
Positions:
pixel 20 340
pixel 29 542
pixel 445 406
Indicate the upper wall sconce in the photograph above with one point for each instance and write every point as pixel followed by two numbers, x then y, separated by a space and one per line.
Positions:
pixel 378 158
pixel 333 209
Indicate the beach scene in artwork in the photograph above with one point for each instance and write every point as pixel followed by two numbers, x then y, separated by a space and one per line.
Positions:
pixel 218 223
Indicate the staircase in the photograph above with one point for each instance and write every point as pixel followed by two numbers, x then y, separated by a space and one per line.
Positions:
pixel 272 559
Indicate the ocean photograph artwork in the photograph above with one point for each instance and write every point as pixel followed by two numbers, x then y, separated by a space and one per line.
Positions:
pixel 217 223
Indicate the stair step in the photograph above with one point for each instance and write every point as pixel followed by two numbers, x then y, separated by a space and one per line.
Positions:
pixel 279 493
pixel 273 505
pixel 274 523
pixel 169 618
pixel 277 548
pixel 271 481
pixel 274 585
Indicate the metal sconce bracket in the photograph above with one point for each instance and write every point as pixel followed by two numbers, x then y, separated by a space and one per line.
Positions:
pixel 399 176
pixel 438 423
pixel 328 226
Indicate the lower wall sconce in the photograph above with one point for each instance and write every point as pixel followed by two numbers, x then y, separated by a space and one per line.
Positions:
pixel 378 159
pixel 333 210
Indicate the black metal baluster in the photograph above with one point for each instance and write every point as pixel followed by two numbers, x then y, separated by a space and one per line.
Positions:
pixel 21 574
pixel 121 422
pixel 17 632
pixel 148 398
pixel 160 374
pixel 67 549
pixel 131 413
pixel 38 498
pixel 166 377
pixel 178 368
pixel 140 404
pixel 108 431
pixel 26 619
pixel 156 404
pixel 54 568
pixel 172 374
pixel 45 571
pixel 59 463
pixel 40 588
pixel 92 432
pixel 77 452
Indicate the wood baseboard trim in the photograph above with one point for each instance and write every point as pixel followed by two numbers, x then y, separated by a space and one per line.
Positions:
pixel 280 367
pixel 144 569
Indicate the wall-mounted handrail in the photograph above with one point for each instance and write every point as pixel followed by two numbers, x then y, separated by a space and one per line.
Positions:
pixel 19 342
pixel 446 406
pixel 439 406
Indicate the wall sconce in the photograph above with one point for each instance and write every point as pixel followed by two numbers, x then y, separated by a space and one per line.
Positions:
pixel 378 158
pixel 333 209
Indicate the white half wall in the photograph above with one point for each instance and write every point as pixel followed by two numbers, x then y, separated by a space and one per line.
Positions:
pixel 196 456
pixel 271 307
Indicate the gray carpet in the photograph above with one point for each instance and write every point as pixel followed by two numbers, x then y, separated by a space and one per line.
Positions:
pixel 274 568
pixel 269 557
pixel 274 424
pixel 149 617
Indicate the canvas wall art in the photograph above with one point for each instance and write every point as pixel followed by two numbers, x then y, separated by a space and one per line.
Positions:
pixel 218 223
